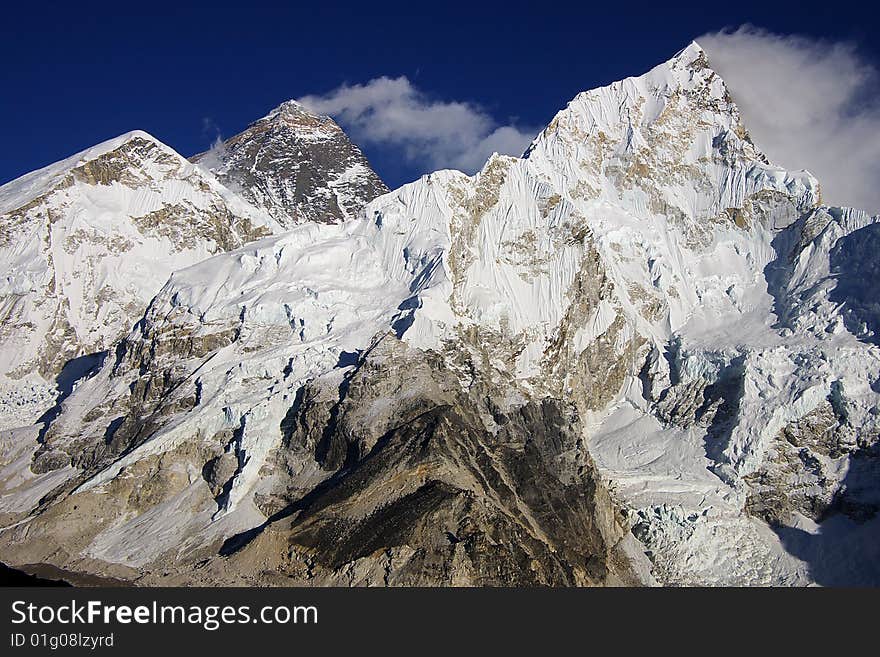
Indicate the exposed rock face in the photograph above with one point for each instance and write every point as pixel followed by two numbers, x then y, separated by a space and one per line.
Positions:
pixel 297 166
pixel 633 332
pixel 441 486
pixel 390 474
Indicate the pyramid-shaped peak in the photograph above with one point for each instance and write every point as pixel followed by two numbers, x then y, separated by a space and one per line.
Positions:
pixel 295 111
pixel 297 165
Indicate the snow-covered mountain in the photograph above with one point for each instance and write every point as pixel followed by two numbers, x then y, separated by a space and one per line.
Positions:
pixel 86 243
pixel 639 353
pixel 296 165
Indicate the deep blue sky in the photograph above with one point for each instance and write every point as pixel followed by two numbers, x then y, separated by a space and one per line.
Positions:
pixel 76 73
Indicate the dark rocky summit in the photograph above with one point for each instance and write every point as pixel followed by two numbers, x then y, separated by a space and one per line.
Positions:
pixel 296 165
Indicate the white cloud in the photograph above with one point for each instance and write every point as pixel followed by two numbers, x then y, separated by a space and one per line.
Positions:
pixel 808 104
pixel 213 157
pixel 439 134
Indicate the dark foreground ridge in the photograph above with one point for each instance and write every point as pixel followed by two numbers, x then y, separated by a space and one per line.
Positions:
pixel 12 577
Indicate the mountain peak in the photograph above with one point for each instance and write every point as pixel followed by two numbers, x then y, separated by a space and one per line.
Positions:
pixel 129 139
pixel 87 241
pixel 291 114
pixel 294 109
pixel 690 53
pixel 297 165
pixel 658 135
pixel 693 63
pixel 25 188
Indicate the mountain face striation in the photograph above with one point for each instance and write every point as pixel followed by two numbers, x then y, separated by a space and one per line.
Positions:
pixel 639 354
